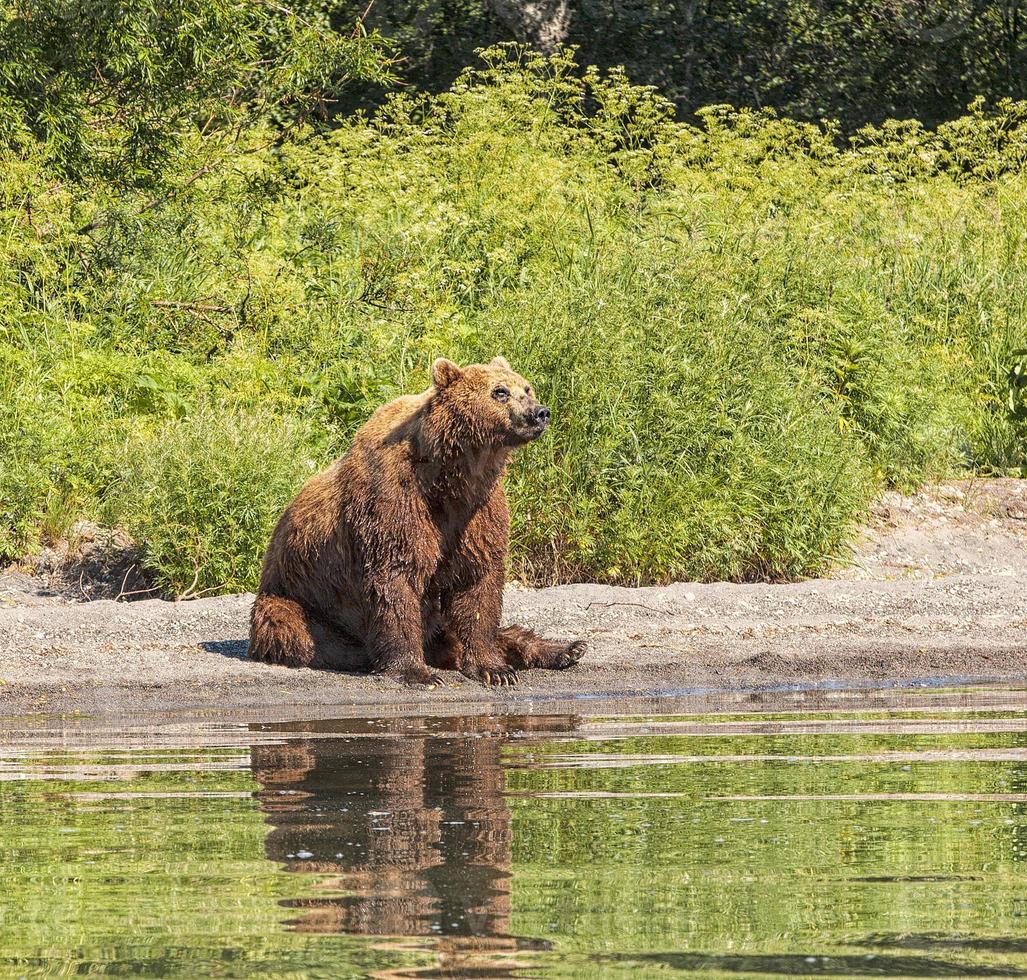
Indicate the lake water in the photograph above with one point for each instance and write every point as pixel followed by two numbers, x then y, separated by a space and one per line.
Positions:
pixel 807 834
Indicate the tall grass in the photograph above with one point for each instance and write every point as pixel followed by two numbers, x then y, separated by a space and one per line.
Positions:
pixel 744 331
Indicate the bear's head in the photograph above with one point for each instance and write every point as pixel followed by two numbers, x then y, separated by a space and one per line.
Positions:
pixel 490 404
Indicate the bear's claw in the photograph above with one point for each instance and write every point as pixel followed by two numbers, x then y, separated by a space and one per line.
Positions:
pixel 498 677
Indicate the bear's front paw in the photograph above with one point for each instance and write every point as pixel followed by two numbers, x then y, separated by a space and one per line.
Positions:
pixel 497 676
pixel 413 675
pixel 421 678
pixel 570 655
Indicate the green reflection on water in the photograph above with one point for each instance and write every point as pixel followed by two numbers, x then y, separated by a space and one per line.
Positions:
pixel 96 881
pixel 535 846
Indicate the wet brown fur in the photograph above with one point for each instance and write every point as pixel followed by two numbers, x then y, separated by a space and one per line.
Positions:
pixel 392 559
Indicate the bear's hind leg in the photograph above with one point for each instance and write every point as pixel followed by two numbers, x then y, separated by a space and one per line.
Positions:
pixel 525 650
pixel 286 633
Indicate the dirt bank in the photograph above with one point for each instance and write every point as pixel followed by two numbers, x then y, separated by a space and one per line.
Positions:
pixel 934 590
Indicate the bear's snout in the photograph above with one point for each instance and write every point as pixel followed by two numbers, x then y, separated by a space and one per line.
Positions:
pixel 530 421
pixel 537 419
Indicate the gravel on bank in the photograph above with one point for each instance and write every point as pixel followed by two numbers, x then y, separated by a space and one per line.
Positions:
pixel 934 591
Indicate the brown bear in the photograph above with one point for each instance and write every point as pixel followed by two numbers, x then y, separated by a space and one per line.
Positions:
pixel 392 559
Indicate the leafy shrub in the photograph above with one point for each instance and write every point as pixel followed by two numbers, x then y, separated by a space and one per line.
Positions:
pixel 204 493
pixel 744 329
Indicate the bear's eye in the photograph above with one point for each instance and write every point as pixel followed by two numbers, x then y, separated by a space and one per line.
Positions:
pixel 501 394
pixel 529 392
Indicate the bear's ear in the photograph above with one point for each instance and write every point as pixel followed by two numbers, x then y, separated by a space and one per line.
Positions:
pixel 501 362
pixel 444 372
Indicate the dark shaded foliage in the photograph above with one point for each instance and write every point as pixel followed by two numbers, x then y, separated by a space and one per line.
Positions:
pixel 855 60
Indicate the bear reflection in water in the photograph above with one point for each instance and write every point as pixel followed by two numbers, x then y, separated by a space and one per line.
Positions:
pixel 409 820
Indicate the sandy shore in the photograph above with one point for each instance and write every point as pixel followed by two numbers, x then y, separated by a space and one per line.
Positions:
pixel 934 591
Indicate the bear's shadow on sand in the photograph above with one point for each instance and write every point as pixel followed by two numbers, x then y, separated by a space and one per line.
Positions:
pixel 236 649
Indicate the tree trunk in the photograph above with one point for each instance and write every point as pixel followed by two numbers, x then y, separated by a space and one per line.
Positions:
pixel 541 23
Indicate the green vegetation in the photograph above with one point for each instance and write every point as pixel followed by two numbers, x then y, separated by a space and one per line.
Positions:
pixel 133 91
pixel 744 330
pixel 203 492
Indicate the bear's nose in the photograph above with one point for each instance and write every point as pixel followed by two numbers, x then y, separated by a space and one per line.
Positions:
pixel 542 415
